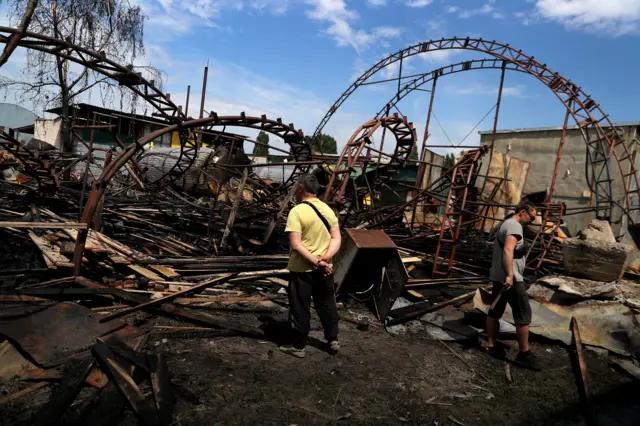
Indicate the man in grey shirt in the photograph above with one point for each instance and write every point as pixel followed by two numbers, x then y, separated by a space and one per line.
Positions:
pixel 507 269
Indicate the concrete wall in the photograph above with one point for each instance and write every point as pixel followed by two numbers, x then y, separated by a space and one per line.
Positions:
pixel 48 130
pixel 540 147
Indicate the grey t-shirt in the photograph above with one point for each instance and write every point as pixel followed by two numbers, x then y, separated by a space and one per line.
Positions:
pixel 508 227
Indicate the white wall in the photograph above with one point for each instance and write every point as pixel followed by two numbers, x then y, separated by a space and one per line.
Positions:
pixel 48 130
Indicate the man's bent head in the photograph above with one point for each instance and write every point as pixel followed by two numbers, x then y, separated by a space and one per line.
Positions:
pixel 525 212
pixel 307 185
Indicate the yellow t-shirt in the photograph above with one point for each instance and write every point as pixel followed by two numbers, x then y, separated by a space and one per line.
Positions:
pixel 315 236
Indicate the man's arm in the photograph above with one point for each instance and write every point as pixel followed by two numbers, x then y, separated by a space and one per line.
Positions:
pixel 295 239
pixel 334 245
pixel 507 259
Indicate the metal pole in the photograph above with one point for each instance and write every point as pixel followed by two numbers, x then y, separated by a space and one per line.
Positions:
pixel 204 94
pixel 558 157
pixel 186 108
pixel 497 114
pixel 493 134
pixel 421 166
pixel 87 165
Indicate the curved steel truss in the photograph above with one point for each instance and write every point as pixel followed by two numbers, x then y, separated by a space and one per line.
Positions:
pixel 600 135
pixel 418 81
pixel 361 139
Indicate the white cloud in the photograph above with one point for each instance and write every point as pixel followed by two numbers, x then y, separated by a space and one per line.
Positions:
pixel 616 17
pixel 233 89
pixel 184 16
pixel 388 32
pixel 482 89
pixel 339 18
pixel 526 18
pixel 439 56
pixel 275 7
pixel 377 3
pixel 487 8
pixel 419 3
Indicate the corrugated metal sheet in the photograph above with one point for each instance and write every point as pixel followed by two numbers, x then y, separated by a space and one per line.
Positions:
pixel 160 160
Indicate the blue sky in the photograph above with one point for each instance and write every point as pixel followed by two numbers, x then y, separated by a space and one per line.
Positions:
pixel 293 58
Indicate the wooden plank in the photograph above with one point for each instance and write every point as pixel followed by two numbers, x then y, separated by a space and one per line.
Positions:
pixel 132 394
pixel 415 311
pixel 20 298
pixel 161 387
pixel 279 281
pixel 579 365
pixel 111 243
pixel 168 298
pixel 75 373
pixel 107 409
pixel 126 352
pixel 234 210
pixel 50 251
pixel 415 294
pixel 411 259
pixel 221 299
pixel 145 272
pixel 183 313
pixel 43 225
pixel 207 291
pixel 92 244
pixel 96 377
pixel 63 293
pixel 165 270
pixel 23 392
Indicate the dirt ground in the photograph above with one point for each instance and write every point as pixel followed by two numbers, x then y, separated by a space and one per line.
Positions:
pixel 376 379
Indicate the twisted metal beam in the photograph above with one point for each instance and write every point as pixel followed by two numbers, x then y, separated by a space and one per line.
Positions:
pixel 295 138
pixel 14 39
pixel 404 134
pixel 125 75
pixel 600 135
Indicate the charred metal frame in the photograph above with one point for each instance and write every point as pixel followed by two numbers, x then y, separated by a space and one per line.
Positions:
pixel 601 137
pixel 462 177
pixel 35 166
pixel 295 138
pixel 405 136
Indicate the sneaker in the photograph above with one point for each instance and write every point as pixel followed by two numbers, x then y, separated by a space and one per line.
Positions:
pixel 334 346
pixel 498 352
pixel 528 360
pixel 298 353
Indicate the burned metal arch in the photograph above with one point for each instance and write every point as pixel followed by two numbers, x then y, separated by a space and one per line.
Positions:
pixel 287 132
pixel 589 117
pixel 422 79
pixel 405 136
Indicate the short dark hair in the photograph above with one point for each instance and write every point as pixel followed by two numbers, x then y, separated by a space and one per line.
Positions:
pixel 524 205
pixel 309 183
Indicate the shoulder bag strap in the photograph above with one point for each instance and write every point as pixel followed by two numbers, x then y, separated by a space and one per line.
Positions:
pixel 322 218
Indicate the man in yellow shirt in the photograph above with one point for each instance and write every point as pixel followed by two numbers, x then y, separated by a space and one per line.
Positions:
pixel 314 236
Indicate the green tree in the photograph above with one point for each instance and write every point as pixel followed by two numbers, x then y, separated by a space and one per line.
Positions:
pixel 449 161
pixel 261 150
pixel 323 143
pixel 414 155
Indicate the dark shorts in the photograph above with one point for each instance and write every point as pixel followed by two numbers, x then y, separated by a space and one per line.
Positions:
pixel 517 298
